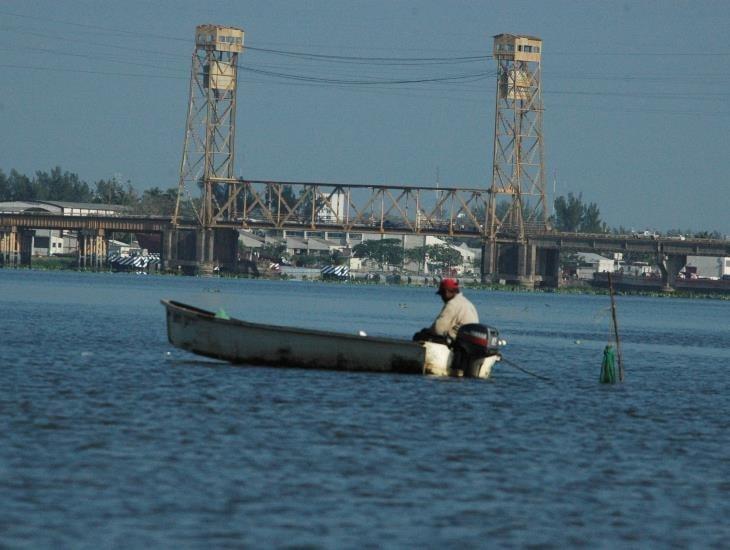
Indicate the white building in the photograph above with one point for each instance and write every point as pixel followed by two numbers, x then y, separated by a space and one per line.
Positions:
pixel 639 269
pixel 121 248
pixel 48 242
pixel 311 246
pixel 590 263
pixel 469 256
pixel 710 267
pixel 333 208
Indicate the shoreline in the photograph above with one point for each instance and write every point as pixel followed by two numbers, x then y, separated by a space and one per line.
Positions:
pixel 581 289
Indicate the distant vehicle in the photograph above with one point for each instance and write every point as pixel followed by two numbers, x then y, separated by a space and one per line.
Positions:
pixel 646 234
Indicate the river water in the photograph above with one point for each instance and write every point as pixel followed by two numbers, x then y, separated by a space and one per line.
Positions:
pixel 112 438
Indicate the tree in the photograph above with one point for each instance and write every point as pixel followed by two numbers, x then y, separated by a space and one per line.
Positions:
pixel 708 235
pixel 273 252
pixel 156 202
pixel 4 187
pixel 385 252
pixel 21 187
pixel 591 220
pixel 61 186
pixel 114 192
pixel 572 215
pixel 444 257
pixel 417 255
pixel 568 213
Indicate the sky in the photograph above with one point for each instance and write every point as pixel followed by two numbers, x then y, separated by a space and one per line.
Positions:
pixel 636 95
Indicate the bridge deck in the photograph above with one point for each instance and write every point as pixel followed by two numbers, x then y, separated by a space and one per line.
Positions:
pixel 600 243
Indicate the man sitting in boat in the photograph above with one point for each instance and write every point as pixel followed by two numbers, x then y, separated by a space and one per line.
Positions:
pixel 457 311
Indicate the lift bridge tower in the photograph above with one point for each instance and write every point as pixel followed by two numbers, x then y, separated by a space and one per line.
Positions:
pixel 517 204
pixel 207 166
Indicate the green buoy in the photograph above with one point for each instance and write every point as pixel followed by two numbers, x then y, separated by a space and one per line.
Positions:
pixel 608 374
pixel 608 366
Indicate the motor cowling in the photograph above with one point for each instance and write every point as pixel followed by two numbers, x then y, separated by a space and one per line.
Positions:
pixel 478 340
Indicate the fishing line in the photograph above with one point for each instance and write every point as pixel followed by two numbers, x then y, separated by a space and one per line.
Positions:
pixel 515 365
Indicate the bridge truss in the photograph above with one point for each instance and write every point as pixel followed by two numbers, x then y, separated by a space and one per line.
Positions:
pixel 293 205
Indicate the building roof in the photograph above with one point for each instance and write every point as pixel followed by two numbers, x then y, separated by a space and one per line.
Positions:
pixel 58 206
pixel 510 35
pixel 85 205
pixel 114 242
pixel 22 206
pixel 297 243
pixel 250 240
pixel 590 257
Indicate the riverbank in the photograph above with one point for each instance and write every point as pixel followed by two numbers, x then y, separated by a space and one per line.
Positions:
pixel 581 288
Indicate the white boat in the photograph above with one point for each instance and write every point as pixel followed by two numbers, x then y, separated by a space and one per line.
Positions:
pixel 220 337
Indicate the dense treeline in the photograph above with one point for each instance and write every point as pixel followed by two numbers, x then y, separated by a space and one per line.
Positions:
pixel 390 252
pixel 573 215
pixel 59 185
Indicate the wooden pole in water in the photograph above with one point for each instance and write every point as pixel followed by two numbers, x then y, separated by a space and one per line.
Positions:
pixel 615 330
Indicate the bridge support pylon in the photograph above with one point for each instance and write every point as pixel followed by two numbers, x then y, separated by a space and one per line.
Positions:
pixel 200 251
pixel 513 263
pixel 9 248
pixel 489 261
pixel 16 247
pixel 669 265
pixel 26 246
pixel 548 266
pixel 204 251
pixel 526 264
pixel 92 249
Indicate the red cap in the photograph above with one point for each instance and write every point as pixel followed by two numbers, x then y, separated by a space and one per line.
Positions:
pixel 448 284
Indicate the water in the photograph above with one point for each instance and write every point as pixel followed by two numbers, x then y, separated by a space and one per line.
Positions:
pixel 111 438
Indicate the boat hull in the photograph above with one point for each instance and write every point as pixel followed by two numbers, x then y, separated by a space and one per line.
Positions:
pixel 202 332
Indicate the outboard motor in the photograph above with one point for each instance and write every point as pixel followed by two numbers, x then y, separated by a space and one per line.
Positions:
pixel 476 341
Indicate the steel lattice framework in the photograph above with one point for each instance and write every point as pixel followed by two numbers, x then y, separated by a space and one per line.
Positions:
pixel 208 151
pixel 353 207
pixel 207 165
pixel 518 203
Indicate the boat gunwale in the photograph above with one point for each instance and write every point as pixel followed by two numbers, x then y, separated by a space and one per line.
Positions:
pixel 206 315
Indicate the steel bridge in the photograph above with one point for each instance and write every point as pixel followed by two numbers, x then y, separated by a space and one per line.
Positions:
pixel 508 216
pixel 354 207
pixel 385 210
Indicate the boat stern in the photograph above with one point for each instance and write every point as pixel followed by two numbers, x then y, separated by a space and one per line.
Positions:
pixel 440 361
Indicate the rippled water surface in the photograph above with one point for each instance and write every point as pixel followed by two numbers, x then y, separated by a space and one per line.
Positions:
pixel 112 438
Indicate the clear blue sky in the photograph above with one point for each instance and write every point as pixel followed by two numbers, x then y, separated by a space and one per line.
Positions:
pixel 636 95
